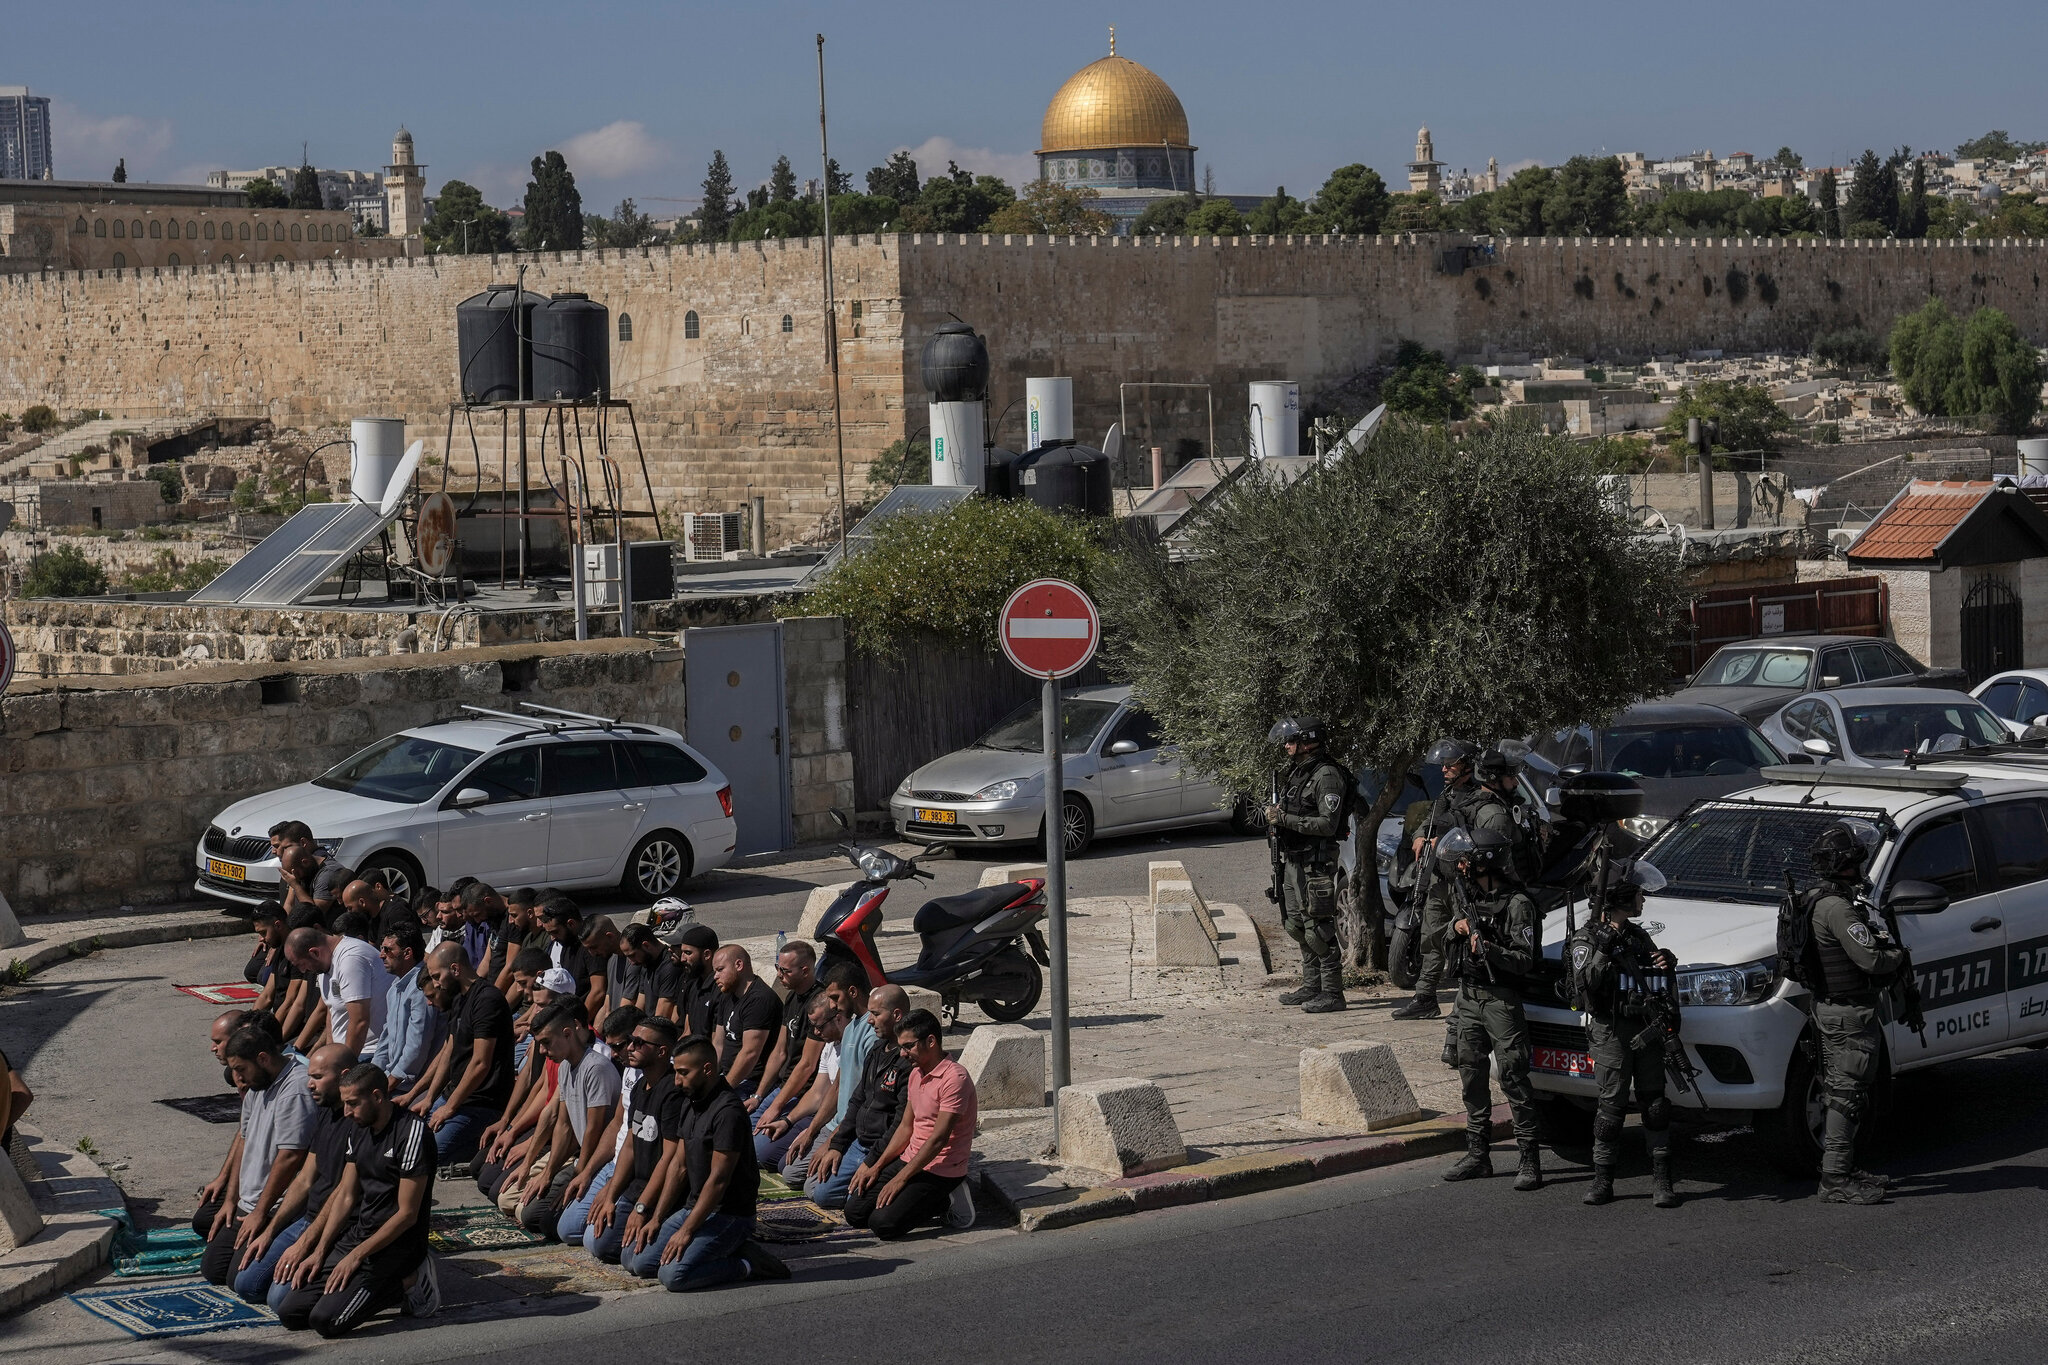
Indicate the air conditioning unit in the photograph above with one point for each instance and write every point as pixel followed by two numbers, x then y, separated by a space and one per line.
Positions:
pixel 601 575
pixel 654 575
pixel 713 535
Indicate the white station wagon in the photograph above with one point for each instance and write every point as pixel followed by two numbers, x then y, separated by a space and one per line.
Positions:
pixel 551 799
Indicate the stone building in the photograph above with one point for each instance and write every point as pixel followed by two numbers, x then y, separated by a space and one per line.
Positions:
pixel 405 189
pixel 1425 172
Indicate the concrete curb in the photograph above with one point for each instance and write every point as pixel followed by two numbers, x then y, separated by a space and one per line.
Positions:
pixel 78 939
pixel 1229 1177
pixel 76 1239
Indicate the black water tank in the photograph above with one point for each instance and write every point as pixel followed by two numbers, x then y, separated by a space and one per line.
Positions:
pixel 487 344
pixel 998 472
pixel 572 349
pixel 955 364
pixel 1064 477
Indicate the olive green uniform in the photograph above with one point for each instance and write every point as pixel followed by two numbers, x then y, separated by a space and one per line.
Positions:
pixel 1857 958
pixel 1615 974
pixel 1489 1020
pixel 1312 798
pixel 1469 807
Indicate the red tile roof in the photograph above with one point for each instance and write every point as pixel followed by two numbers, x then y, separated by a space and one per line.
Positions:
pixel 1915 525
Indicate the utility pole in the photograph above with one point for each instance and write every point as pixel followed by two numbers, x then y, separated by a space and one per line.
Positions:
pixel 831 311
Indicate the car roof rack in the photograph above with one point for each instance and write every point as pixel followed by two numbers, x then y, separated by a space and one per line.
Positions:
pixel 603 722
pixel 532 726
pixel 1841 775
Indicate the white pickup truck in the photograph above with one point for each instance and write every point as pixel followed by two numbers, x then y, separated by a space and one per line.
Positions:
pixel 1974 825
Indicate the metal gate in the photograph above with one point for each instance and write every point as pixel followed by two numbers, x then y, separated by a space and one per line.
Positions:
pixel 1991 629
pixel 734 715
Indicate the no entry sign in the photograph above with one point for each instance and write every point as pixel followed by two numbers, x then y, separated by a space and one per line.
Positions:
pixel 1049 628
pixel 6 657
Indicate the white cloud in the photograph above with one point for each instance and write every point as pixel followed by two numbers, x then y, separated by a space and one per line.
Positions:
pixel 617 149
pixel 86 147
pixel 931 156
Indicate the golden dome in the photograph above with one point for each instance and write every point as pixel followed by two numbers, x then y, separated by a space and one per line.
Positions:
pixel 1113 103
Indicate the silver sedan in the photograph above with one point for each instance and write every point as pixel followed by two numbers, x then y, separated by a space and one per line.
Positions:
pixel 1121 778
pixel 1874 727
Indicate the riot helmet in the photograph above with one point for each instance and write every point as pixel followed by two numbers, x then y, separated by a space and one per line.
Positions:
pixel 1495 765
pixel 1844 849
pixel 1296 730
pixel 1626 883
pixel 1482 850
pixel 1448 751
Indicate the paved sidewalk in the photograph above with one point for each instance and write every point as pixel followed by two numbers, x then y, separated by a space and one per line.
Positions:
pixel 59 938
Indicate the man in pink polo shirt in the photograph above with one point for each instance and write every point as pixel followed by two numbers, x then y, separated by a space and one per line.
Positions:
pixel 922 1173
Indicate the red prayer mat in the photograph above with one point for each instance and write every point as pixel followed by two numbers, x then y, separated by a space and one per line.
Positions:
pixel 231 993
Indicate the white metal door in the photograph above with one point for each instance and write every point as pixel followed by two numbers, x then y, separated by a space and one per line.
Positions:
pixel 734 716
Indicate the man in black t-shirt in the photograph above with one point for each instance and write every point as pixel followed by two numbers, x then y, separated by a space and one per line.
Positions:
pixel 748 1016
pixel 629 973
pixel 793 1064
pixel 708 1199
pixel 314 881
pixel 466 1089
pixel 684 987
pixel 382 1259
pixel 622 1209
pixel 564 924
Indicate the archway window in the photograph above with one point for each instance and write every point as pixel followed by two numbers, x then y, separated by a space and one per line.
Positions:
pixel 788 323
pixel 135 229
pixel 99 228
pixel 263 232
pixel 174 258
pixel 80 225
pixel 209 230
pixel 156 228
pixel 278 257
pixel 119 260
pixel 171 229
pixel 327 232
pixel 120 228
pixel 690 325
pixel 625 326
pixel 245 232
pixel 191 230
pixel 295 232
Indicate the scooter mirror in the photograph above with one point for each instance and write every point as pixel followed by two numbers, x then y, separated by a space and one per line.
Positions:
pixel 839 818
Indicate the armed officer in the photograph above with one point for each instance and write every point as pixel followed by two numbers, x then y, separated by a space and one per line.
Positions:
pixel 1490 948
pixel 1856 960
pixel 1464 804
pixel 1614 974
pixel 1308 820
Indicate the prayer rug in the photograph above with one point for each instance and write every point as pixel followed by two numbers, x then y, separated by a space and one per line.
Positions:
pixel 172 1310
pixel 557 1270
pixel 800 1220
pixel 477 1229
pixel 209 1108
pixel 229 993
pixel 774 1189
pixel 157 1251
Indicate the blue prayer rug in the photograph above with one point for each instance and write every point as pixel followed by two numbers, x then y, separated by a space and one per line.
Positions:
pixel 172 1310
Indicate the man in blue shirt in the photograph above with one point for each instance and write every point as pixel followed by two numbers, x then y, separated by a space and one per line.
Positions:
pixel 413 1028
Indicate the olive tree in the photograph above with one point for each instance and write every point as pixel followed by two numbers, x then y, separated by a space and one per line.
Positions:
pixel 1425 586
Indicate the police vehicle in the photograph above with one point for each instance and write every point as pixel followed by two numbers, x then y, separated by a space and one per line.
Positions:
pixel 1975 825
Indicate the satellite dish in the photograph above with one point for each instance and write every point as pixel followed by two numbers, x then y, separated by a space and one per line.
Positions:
pixel 1360 436
pixel 434 534
pixel 401 478
pixel 1113 442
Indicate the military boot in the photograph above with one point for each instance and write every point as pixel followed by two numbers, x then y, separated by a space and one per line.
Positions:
pixel 1603 1186
pixel 1847 1189
pixel 1330 998
pixel 1660 1175
pixel 1529 1175
pixel 1311 982
pixel 1477 1161
pixel 1421 1007
pixel 1883 1182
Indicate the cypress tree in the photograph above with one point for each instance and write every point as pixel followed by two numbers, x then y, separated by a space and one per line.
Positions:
pixel 1830 215
pixel 306 189
pixel 716 216
pixel 1913 213
pixel 781 182
pixel 121 171
pixel 554 207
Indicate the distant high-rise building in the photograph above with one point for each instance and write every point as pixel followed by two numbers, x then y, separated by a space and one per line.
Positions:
pixel 25 135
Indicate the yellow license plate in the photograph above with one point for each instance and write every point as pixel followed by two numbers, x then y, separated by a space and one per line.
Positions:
pixel 938 817
pixel 234 872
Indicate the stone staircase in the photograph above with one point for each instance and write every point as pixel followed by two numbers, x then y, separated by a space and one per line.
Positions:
pixel 65 444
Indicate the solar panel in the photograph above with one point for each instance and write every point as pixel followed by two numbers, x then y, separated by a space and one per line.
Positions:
pixel 290 562
pixel 903 498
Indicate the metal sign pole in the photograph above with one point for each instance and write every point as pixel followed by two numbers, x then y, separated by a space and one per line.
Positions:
pixel 1056 896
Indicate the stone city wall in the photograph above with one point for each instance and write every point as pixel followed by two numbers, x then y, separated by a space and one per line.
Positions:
pixel 104 793
pixel 745 405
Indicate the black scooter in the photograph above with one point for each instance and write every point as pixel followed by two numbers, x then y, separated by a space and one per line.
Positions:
pixel 974 943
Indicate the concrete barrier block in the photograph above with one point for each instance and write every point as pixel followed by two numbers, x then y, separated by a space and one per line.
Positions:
pixel 1178 939
pixel 1007 1065
pixel 922 999
pixel 1167 893
pixel 1122 1126
pixel 10 927
pixel 1356 1084
pixel 20 1224
pixel 1164 869
pixel 815 906
pixel 1011 872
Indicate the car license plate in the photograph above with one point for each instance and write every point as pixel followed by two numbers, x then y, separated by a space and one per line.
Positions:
pixel 234 872
pixel 937 817
pixel 1561 1061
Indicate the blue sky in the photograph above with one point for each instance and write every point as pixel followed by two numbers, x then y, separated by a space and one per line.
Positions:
pixel 638 95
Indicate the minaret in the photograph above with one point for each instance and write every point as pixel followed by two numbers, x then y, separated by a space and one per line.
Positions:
pixel 405 189
pixel 1492 173
pixel 1425 171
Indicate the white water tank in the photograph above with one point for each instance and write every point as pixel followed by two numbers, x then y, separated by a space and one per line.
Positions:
pixel 1048 411
pixel 1276 419
pixel 957 435
pixel 2034 456
pixel 376 445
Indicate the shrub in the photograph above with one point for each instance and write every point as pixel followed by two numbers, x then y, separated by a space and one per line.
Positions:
pixel 170 479
pixel 39 419
pixel 1423 386
pixel 900 462
pixel 1849 349
pixel 248 492
pixel 1947 367
pixel 166 574
pixel 1748 417
pixel 946 574
pixel 63 572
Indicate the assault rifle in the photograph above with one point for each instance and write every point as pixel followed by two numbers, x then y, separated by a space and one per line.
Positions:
pixel 1461 909
pixel 1275 893
pixel 1662 1007
pixel 1905 985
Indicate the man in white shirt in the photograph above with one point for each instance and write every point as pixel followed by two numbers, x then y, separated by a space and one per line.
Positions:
pixel 352 981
